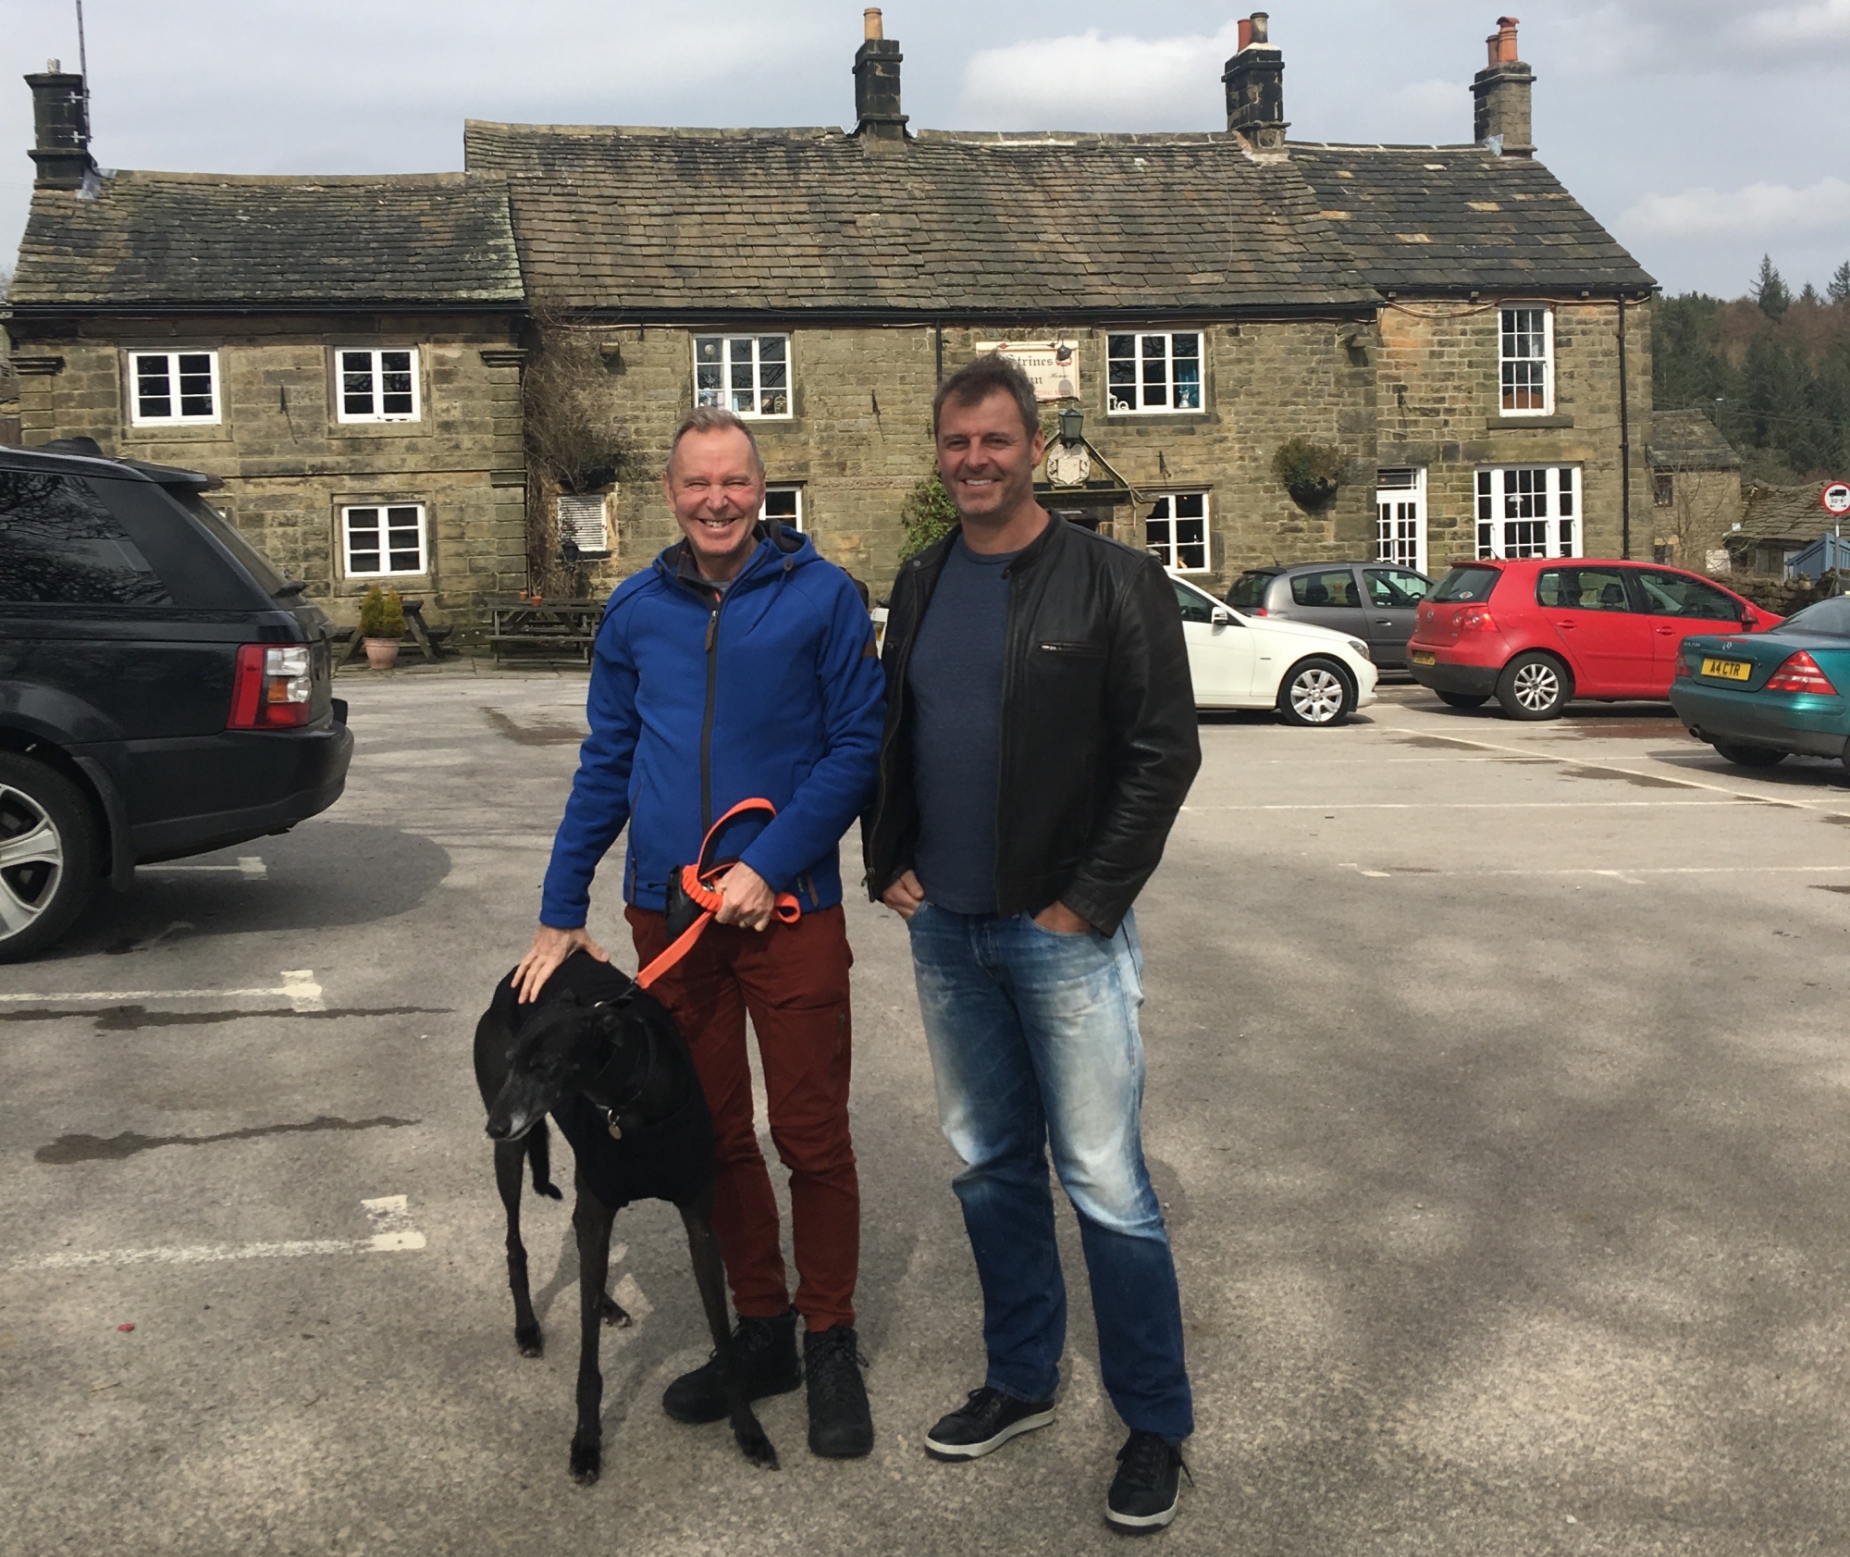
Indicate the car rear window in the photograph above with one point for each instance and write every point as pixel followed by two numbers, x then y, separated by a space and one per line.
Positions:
pixel 227 535
pixel 60 545
pixel 1467 584
pixel 1335 588
pixel 1249 590
pixel 1827 616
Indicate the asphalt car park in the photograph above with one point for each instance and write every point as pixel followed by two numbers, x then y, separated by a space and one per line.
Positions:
pixel 1496 1102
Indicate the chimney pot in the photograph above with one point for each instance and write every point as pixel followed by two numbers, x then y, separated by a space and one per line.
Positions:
pixel 1245 40
pixel 1260 21
pixel 53 68
pixel 1502 91
pixel 870 19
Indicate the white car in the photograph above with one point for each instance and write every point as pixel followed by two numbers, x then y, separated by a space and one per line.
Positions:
pixel 1311 675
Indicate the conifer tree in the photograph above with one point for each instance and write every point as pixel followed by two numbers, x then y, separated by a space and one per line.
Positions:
pixel 1839 287
pixel 1770 290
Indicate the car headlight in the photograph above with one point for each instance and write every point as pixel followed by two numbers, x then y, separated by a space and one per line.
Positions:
pixel 1361 649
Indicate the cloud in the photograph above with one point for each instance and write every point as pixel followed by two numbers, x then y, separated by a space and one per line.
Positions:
pixel 1646 37
pixel 1770 210
pixel 1087 80
pixel 1789 26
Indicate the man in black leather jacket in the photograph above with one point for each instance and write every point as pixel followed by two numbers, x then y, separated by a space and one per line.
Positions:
pixel 1040 738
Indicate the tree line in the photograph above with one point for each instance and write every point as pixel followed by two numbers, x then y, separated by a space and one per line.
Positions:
pixel 1772 369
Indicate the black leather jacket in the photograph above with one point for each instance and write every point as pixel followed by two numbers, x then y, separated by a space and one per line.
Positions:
pixel 1099 739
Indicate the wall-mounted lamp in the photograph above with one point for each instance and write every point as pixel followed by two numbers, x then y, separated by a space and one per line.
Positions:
pixel 1072 422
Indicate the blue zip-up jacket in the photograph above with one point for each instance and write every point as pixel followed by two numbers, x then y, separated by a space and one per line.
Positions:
pixel 699 701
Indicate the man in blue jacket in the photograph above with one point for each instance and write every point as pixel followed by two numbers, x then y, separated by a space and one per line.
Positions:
pixel 742 665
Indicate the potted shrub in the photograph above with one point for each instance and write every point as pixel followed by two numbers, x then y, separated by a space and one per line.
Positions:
pixel 1310 472
pixel 382 624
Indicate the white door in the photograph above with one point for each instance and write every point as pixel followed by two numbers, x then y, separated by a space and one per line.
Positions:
pixel 1400 508
pixel 1220 653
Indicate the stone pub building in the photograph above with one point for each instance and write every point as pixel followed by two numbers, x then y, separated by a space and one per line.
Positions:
pixel 1446 324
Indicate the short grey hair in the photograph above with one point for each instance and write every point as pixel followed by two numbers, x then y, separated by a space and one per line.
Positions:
pixel 710 419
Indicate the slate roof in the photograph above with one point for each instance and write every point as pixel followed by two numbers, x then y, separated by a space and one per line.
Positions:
pixel 798 220
pixel 1789 514
pixel 1688 440
pixel 195 240
pixel 1446 217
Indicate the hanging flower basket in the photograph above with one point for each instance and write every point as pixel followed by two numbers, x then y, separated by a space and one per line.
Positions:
pixel 1310 472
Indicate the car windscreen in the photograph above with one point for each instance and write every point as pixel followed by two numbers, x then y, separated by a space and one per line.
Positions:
pixel 1827 616
pixel 1467 584
pixel 1249 590
pixel 226 534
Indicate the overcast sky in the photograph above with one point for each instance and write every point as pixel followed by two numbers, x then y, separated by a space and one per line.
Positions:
pixel 1701 132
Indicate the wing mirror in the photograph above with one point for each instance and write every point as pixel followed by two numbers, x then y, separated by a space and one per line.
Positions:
pixel 1220 616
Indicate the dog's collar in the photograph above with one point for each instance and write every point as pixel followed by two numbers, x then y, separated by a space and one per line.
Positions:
pixel 614 1113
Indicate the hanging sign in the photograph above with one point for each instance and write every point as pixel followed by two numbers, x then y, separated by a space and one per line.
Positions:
pixel 1052 366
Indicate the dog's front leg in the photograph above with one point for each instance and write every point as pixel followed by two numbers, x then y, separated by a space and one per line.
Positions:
pixel 710 1273
pixel 510 1156
pixel 591 1219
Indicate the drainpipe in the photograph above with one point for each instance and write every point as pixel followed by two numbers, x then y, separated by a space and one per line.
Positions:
pixel 1625 445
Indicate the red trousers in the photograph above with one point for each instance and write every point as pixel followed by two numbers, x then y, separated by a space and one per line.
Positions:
pixel 793 980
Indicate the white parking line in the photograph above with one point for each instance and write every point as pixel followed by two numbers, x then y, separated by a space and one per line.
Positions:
pixel 392 1233
pixel 1462 805
pixel 1628 875
pixel 298 988
pixel 249 866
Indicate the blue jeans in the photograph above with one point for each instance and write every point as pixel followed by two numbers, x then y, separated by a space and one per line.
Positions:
pixel 1034 1041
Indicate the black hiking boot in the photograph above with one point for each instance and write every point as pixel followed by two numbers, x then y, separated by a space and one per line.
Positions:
pixel 841 1427
pixel 767 1352
pixel 1148 1485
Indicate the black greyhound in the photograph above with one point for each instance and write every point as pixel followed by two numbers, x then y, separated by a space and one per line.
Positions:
pixel 606 1060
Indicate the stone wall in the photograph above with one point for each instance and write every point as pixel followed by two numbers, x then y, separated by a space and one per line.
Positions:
pixel 1440 408
pixel 1704 507
pixel 289 466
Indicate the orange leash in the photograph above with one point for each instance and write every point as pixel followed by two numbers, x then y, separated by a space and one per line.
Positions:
pixel 696 882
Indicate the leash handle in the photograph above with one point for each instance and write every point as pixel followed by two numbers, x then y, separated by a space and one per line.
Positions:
pixel 696 882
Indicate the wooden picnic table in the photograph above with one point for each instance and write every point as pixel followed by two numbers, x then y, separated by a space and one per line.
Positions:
pixel 426 639
pixel 544 624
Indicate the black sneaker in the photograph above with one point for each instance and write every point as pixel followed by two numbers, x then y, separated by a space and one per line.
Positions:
pixel 984 1423
pixel 840 1425
pixel 1145 1491
pixel 767 1352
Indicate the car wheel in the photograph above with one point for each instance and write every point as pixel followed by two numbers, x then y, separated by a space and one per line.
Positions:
pixel 1534 686
pixel 1748 756
pixel 1464 699
pixel 48 855
pixel 1316 692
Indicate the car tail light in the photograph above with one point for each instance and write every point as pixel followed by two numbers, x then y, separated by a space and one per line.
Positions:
pixel 1683 667
pixel 1801 674
pixel 1475 619
pixel 271 688
pixel 1254 610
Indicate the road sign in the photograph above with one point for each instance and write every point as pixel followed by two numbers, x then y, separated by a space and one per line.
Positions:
pixel 1835 498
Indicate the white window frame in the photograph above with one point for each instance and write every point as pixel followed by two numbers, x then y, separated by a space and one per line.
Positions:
pixel 1170 549
pixel 1143 357
pixel 1400 508
pixel 376 377
pixel 384 549
pixel 1529 511
pixel 1513 364
pixel 791 489
pixel 744 352
pixel 137 418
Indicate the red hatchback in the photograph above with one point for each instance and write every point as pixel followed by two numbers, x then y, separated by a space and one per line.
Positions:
pixel 1535 633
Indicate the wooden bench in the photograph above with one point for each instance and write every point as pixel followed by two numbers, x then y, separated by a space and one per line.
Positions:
pixel 544 627
pixel 428 640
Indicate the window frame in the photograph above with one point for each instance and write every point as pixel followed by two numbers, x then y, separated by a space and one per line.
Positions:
pixel 726 389
pixel 347 510
pixel 795 489
pixel 1564 528
pixel 600 553
pixel 1505 360
pixel 1170 553
pixel 1116 407
pixel 379 417
pixel 172 358
pixel 1386 496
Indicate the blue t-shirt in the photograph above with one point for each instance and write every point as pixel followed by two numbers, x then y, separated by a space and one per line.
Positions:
pixel 955 678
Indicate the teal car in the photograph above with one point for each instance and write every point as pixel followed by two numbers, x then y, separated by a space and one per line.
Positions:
pixel 1757 698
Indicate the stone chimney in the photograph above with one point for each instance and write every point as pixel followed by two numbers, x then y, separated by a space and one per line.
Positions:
pixel 1255 82
pixel 876 85
pixel 1502 90
pixel 61 118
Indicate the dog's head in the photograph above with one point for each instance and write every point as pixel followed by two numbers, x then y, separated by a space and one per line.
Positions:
pixel 564 1046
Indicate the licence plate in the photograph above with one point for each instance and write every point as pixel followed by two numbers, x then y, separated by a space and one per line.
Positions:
pixel 1424 657
pixel 1727 670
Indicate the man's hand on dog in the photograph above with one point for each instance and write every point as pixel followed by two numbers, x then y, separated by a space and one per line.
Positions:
pixel 746 899
pixel 550 948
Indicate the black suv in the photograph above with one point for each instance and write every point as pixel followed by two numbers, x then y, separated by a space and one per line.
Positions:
pixel 163 690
